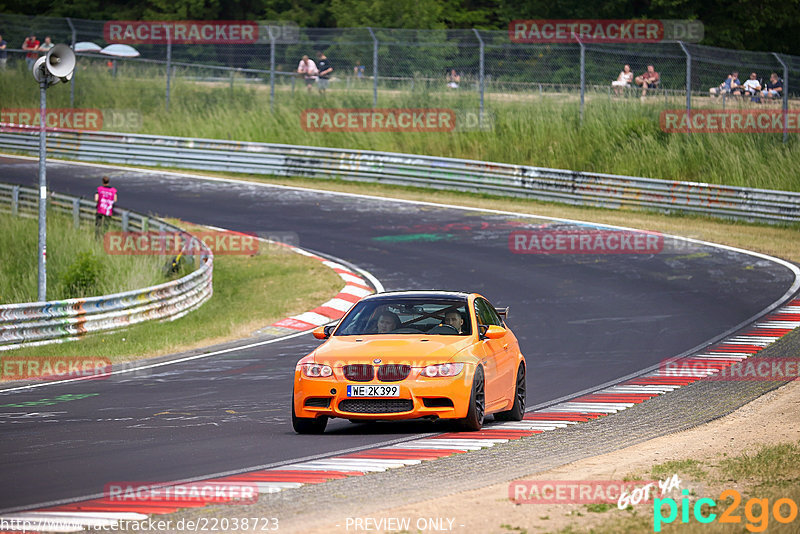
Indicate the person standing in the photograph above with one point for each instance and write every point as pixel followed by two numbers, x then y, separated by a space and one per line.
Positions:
pixel 325 68
pixel 309 70
pixel 3 53
pixel 32 44
pixel 46 45
pixel 105 198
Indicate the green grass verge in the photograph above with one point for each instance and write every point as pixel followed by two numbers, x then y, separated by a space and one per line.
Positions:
pixel 250 292
pixel 620 136
pixel 77 264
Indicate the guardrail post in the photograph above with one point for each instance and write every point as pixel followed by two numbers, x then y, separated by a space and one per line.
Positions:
pixel 785 97
pixel 272 69
pixel 126 220
pixel 688 88
pixel 72 80
pixel 145 224
pixel 374 68
pixel 76 213
pixel 15 200
pixel 169 62
pixel 480 83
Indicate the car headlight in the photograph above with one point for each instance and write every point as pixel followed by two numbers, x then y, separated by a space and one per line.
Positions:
pixel 316 370
pixel 442 369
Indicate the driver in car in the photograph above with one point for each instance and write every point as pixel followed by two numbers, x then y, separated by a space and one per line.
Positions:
pixel 387 322
pixel 454 319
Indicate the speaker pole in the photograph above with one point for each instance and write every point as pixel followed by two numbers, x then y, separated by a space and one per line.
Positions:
pixel 57 65
pixel 42 295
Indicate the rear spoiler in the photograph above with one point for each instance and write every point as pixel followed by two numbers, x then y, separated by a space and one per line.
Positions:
pixel 502 312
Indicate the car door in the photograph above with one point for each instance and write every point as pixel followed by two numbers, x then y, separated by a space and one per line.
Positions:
pixel 495 357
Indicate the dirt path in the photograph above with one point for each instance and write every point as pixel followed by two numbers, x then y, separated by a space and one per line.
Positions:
pixel 772 418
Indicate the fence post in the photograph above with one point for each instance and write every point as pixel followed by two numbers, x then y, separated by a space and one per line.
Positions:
pixel 126 219
pixel 76 213
pixel 15 200
pixel 480 83
pixel 72 80
pixel 785 97
pixel 374 68
pixel 169 61
pixel 272 70
pixel 688 88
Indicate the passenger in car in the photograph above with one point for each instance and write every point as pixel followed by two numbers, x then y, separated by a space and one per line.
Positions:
pixel 387 322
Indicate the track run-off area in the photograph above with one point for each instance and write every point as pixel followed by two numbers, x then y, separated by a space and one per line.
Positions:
pixel 583 321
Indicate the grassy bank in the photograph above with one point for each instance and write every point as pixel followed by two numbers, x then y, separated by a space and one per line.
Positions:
pixel 77 264
pixel 620 136
pixel 250 292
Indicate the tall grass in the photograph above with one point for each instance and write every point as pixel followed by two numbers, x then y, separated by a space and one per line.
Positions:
pixel 77 264
pixel 619 135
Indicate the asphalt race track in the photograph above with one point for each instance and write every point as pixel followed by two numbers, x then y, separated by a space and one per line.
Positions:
pixel 582 320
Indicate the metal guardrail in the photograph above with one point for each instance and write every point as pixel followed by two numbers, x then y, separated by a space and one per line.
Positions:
pixel 36 323
pixel 571 187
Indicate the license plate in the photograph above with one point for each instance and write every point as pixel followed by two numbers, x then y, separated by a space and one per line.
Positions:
pixel 373 391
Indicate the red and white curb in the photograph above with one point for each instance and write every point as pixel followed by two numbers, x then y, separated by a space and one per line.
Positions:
pixel 580 409
pixel 354 290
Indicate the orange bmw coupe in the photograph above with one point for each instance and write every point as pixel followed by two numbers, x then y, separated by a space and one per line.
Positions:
pixel 409 355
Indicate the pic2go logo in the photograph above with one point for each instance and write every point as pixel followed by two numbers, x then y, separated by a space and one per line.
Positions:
pixel 756 521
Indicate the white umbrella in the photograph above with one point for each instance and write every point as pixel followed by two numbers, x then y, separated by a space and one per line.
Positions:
pixel 86 46
pixel 120 50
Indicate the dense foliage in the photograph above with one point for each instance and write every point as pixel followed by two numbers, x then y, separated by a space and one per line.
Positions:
pixel 752 25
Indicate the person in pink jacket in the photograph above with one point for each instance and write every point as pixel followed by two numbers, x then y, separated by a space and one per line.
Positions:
pixel 105 198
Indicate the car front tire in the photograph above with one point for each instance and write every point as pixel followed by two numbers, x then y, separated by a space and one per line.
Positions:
pixel 308 425
pixel 477 403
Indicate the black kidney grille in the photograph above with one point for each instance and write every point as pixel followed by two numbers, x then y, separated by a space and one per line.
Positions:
pixel 393 372
pixel 359 372
pixel 376 405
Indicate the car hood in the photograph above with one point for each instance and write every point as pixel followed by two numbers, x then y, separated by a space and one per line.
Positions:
pixel 417 351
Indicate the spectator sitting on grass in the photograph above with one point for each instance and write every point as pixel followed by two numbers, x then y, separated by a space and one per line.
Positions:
pixel 453 79
pixel 625 79
pixel 752 87
pixel 731 85
pixel 649 79
pixel 774 87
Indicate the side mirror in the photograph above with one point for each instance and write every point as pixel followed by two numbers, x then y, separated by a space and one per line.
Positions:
pixel 323 332
pixel 494 332
pixel 320 333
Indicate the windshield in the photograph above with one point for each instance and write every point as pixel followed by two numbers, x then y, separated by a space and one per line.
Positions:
pixel 407 316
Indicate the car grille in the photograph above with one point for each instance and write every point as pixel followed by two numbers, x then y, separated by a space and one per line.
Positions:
pixel 393 372
pixel 376 405
pixel 359 372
